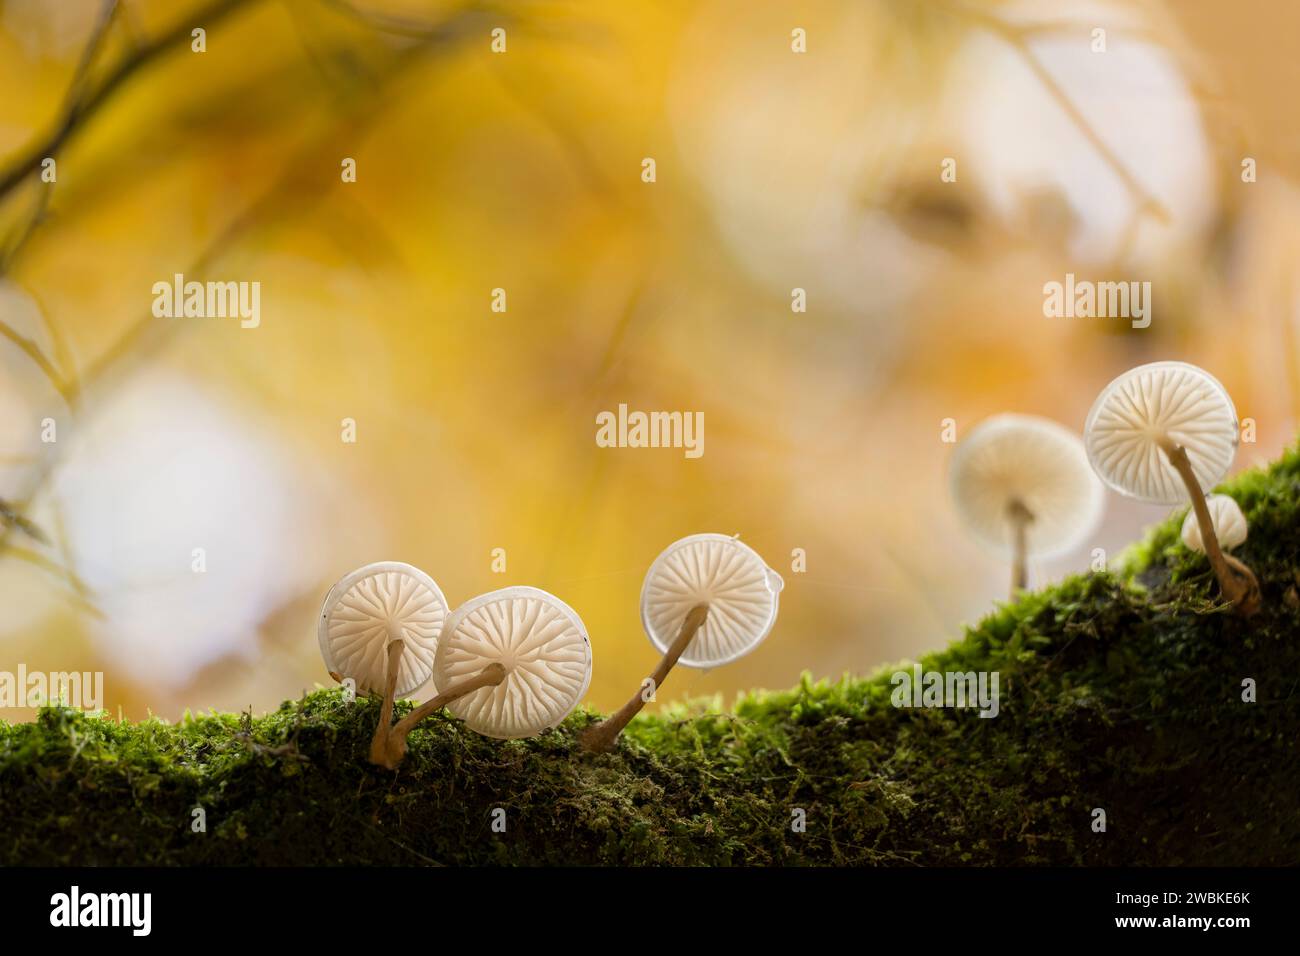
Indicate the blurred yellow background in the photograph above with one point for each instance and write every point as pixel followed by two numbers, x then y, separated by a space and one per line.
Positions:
pixel 522 170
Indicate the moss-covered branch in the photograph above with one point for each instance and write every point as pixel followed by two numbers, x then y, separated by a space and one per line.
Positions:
pixel 1118 691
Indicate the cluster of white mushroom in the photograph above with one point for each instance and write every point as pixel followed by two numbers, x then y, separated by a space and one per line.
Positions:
pixel 515 662
pixel 1163 432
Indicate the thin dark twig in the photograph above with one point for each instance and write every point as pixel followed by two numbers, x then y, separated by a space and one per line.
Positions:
pixel 80 76
pixel 67 575
pixel 138 340
pixel 86 106
pixel 10 515
pixel 77 104
pixel 41 360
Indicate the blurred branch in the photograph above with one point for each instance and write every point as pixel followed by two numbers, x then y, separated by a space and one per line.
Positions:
pixel 80 76
pixel 63 359
pixel 146 334
pixel 385 22
pixel 10 516
pixel 85 99
pixel 24 232
pixel 67 390
pixel 13 520
pixel 281 191
pixel 301 19
pixel 79 589
pixel 75 90
pixel 1017 38
pixel 63 381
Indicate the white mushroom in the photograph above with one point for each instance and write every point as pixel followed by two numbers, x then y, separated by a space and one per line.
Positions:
pixel 1154 406
pixel 720 571
pixel 379 626
pixel 510 663
pixel 1229 524
pixel 1023 486
pixel 369 610
pixel 542 647
pixel 707 600
pixel 1167 432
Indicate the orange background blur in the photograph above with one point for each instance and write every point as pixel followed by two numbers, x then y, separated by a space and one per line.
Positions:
pixel 522 170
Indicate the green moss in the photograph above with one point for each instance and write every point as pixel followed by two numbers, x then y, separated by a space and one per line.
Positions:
pixel 1120 691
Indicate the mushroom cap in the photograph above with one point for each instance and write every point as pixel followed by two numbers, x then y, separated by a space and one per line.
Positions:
pixel 1163 399
pixel 1229 524
pixel 720 571
pixel 1037 462
pixel 355 622
pixel 543 646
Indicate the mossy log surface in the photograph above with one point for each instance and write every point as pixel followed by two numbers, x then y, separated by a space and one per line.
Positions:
pixel 1119 690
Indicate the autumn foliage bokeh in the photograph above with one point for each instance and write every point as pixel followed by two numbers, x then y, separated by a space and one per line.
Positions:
pixel 522 171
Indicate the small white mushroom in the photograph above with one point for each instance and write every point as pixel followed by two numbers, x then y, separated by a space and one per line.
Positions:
pixel 369 610
pixel 379 626
pixel 707 600
pixel 542 647
pixel 720 571
pixel 1023 486
pixel 1154 407
pixel 1229 524
pixel 510 663
pixel 1165 433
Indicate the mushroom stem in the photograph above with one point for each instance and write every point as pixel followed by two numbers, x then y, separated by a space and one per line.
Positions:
pixel 378 744
pixel 389 752
pixel 1237 582
pixel 602 736
pixel 1020 518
